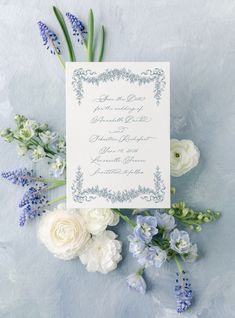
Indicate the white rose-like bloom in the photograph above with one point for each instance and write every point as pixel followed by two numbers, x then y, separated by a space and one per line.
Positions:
pixel 63 232
pixel 97 220
pixel 102 253
pixel 184 156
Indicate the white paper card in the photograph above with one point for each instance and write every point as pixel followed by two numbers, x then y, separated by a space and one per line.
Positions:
pixel 118 135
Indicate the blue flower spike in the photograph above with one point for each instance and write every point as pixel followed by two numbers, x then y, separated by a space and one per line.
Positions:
pixel 22 177
pixel 50 40
pixel 183 292
pixel 78 28
pixel 33 203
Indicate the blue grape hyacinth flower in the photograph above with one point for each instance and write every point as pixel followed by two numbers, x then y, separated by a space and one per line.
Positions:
pixel 183 292
pixel 22 177
pixel 78 27
pixel 33 203
pixel 50 39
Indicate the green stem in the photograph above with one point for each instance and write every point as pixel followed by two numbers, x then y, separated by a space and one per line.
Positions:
pixel 63 26
pixel 60 60
pixel 90 36
pixel 141 271
pixel 178 265
pixel 102 34
pixel 124 217
pixel 57 200
pixel 61 182
pixel 55 185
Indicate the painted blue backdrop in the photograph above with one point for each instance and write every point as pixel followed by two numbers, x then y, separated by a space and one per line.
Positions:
pixel 198 38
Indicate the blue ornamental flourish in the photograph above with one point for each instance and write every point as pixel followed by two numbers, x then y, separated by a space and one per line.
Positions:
pixel 156 75
pixel 81 194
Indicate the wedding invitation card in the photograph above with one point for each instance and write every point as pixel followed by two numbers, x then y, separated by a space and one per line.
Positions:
pixel 118 135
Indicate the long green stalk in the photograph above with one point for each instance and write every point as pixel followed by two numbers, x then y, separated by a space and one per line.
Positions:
pixel 90 53
pixel 178 265
pixel 102 40
pixel 63 197
pixel 63 26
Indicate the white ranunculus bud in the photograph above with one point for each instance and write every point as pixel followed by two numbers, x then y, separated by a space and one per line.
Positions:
pixel 97 220
pixel 184 156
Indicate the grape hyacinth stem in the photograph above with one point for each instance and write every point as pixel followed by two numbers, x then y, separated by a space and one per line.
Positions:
pixel 178 265
pixel 63 197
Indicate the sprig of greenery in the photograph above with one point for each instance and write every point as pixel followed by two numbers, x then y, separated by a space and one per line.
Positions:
pixel 191 218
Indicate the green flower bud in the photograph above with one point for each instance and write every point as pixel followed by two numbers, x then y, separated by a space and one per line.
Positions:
pixel 19 120
pixel 42 127
pixel 171 212
pixel 7 134
pixel 185 211
pixel 175 205
pixel 198 228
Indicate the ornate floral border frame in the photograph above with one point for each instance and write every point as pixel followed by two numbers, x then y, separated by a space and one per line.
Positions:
pixel 81 194
pixel 155 75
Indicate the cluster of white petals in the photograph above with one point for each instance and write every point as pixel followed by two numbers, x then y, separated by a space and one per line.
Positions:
pixel 184 156
pixel 63 232
pixel 97 220
pixel 71 233
pixel 103 253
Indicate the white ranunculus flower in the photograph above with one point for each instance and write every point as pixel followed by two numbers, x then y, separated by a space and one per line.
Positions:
pixel 97 220
pixel 63 232
pixel 102 253
pixel 184 156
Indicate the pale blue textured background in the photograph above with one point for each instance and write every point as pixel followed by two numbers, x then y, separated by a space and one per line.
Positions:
pixel 198 38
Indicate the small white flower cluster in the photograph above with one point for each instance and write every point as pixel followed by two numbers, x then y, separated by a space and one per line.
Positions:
pixel 39 142
pixel 82 233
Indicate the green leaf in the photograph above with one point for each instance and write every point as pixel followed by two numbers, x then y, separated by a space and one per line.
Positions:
pixel 63 26
pixel 102 34
pixel 90 36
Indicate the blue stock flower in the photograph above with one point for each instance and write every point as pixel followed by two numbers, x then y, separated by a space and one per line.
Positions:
pixel 136 282
pixel 146 228
pixel 136 246
pixel 180 241
pixel 165 221
pixel 49 38
pixel 183 292
pixel 78 27
pixel 152 256
pixel 146 254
